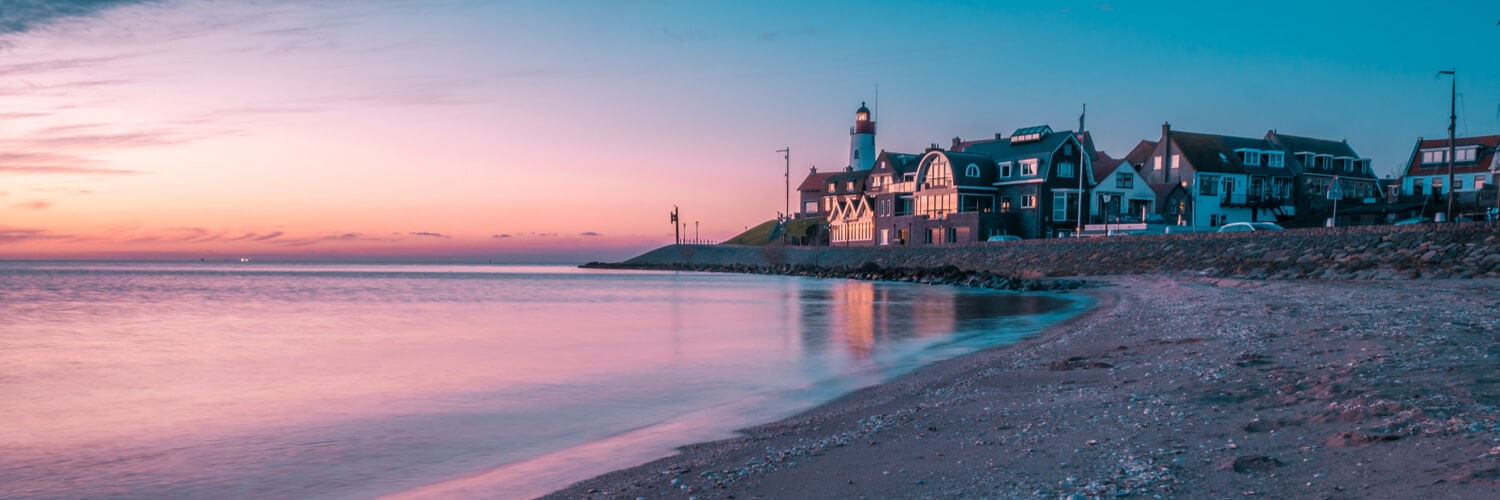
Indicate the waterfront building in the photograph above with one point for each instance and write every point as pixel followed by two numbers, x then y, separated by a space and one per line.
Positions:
pixel 1317 165
pixel 1475 165
pixel 1208 180
pixel 1131 199
pixel 1038 189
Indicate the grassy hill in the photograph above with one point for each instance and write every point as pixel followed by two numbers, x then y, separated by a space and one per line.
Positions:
pixel 761 234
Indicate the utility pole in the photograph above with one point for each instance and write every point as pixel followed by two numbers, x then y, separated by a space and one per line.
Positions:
pixel 1452 124
pixel 675 228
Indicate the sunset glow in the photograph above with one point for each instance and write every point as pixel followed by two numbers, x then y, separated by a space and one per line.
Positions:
pixel 545 131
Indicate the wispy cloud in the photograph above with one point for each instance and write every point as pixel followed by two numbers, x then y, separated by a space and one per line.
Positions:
pixel 501 236
pixel 428 234
pixel 33 205
pixel 24 15
pixel 588 233
pixel 11 236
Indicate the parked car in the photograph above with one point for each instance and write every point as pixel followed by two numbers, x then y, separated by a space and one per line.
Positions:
pixel 1246 227
pixel 1004 237
pixel 1413 220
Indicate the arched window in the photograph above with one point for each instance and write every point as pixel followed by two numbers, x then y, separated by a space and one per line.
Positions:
pixel 972 171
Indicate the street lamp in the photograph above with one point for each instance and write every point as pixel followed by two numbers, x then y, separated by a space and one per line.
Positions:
pixel 1192 200
pixel 1106 213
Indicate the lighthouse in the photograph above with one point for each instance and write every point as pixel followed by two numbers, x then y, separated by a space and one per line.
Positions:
pixel 862 140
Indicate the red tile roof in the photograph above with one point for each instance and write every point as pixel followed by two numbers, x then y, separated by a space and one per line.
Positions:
pixel 1486 157
pixel 815 181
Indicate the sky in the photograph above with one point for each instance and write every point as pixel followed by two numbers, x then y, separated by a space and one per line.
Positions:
pixel 543 131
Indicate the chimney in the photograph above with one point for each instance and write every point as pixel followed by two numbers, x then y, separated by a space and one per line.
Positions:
pixel 999 136
pixel 933 147
pixel 956 141
pixel 1166 130
pixel 814 170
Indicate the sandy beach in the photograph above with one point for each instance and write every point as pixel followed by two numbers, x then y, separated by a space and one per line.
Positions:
pixel 1170 387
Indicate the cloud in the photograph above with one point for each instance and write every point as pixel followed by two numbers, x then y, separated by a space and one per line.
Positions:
pixel 588 233
pixel 269 236
pixel 429 234
pixel 501 236
pixel 10 236
pixel 33 205
pixel 20 16
pixel 544 235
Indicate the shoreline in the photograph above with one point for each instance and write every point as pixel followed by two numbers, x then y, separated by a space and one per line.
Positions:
pixel 1175 386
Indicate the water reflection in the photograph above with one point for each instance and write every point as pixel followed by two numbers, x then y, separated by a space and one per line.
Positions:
pixel 859 316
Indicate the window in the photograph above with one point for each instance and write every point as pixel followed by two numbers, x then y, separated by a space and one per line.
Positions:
pixel 1348 164
pixel 1176 161
pixel 1028 167
pixel 856 154
pixel 1068 149
pixel 1417 187
pixel 1437 186
pixel 1458 183
pixel 1306 159
pixel 1478 182
pixel 849 186
pixel 1466 154
pixel 1028 201
pixel 832 187
pixel 1249 156
pixel 1004 204
pixel 1065 169
pixel 1275 159
pixel 972 170
pixel 1434 156
pixel 1124 180
pixel 1060 210
pixel 1208 185
pixel 1156 163
pixel 1005 169
pixel 938 173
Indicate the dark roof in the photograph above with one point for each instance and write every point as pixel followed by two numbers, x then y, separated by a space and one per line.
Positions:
pixel 1005 151
pixel 849 175
pixel 1141 153
pixel 959 162
pixel 1104 165
pixel 1486 156
pixel 862 108
pixel 815 181
pixel 1294 144
pixel 1216 153
pixel 900 163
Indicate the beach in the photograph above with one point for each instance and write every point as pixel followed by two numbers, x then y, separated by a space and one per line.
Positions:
pixel 1172 386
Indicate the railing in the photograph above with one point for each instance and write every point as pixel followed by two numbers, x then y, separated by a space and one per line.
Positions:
pixel 1253 198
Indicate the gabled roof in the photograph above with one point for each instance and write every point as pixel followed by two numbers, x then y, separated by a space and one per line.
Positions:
pixel 960 162
pixel 1216 153
pixel 900 163
pixel 1104 165
pixel 1141 153
pixel 815 181
pixel 1486 157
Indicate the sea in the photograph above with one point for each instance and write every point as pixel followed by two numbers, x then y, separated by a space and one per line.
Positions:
pixel 318 380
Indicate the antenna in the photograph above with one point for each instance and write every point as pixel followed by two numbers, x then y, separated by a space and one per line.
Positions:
pixel 875 116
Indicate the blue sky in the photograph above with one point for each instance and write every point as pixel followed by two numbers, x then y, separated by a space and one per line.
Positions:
pixel 476 128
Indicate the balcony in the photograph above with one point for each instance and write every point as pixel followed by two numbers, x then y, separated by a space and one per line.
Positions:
pixel 1262 198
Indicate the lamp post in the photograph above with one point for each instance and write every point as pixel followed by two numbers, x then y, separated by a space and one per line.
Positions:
pixel 1452 122
pixel 1105 212
pixel 1192 200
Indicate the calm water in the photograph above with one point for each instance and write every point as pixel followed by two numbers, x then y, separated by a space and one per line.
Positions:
pixel 192 380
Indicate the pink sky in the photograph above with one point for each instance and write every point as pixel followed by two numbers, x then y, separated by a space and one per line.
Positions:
pixel 566 131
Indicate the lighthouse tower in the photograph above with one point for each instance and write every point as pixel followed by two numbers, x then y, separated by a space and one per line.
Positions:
pixel 862 140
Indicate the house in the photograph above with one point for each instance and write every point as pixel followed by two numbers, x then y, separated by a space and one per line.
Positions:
pixel 810 194
pixel 1130 198
pixel 893 180
pixel 1042 178
pixel 1208 180
pixel 1317 165
pixel 851 219
pixel 1475 165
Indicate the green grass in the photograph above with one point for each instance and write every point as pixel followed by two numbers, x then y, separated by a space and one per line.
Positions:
pixel 761 234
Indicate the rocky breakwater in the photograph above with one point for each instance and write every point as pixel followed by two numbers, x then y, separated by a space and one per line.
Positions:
pixel 870 271
pixel 1460 250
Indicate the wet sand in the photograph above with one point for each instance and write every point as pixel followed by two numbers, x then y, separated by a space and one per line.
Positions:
pixel 1171 387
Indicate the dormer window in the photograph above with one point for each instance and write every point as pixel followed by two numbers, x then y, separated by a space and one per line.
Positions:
pixel 1306 159
pixel 832 187
pixel 1275 159
pixel 1028 167
pixel 1250 157
pixel 972 170
pixel 1005 169
pixel 1030 134
pixel 1465 154
pixel 1346 162
pixel 1434 156
pixel 1323 162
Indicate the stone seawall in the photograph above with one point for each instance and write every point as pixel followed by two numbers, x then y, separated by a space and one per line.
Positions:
pixel 1460 250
